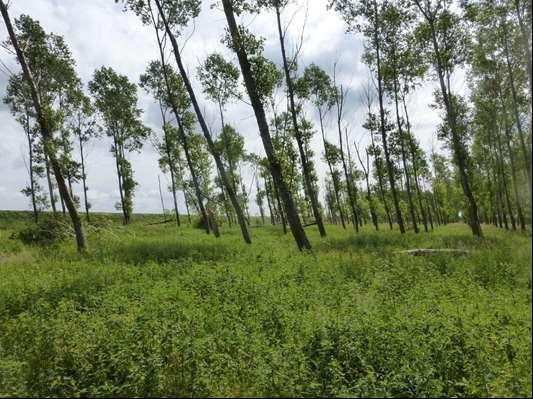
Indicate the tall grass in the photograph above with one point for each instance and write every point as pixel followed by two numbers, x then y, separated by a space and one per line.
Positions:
pixel 160 311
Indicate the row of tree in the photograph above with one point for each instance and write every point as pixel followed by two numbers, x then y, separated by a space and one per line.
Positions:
pixel 392 180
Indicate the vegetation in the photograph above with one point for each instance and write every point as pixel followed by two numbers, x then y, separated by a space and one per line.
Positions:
pixel 155 311
pixel 408 272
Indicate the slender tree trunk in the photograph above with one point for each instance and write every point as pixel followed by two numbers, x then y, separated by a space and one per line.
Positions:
pixel 366 172
pixel 46 134
pixel 224 200
pixel 171 165
pixel 181 131
pixel 119 176
pixel 526 153
pixel 32 176
pixel 379 173
pixel 336 188
pixel 411 145
pixel 270 210
pixel 458 148
pixel 84 179
pixel 504 179
pixel 525 42
pixel 498 179
pixel 339 99
pixel 352 189
pixel 186 200
pixel 404 161
pixel 50 185
pixel 275 168
pixel 225 180
pixel 390 168
pixel 307 168
pixel 508 139
pixel 231 171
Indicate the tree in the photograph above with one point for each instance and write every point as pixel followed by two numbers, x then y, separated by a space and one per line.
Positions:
pixel 315 85
pixel 116 100
pixel 175 14
pixel 83 123
pixel 444 36
pixel 367 16
pixel 340 95
pixel 153 82
pixel 256 86
pixel 19 100
pixel 219 80
pixel 39 55
pixel 307 166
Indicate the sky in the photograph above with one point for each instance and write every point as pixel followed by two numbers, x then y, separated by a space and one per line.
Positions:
pixel 99 33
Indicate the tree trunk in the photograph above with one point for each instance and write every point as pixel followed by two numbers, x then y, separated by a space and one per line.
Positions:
pixel 171 165
pixel 404 161
pixel 275 168
pixel 504 180
pixel 525 42
pixel 411 145
pixel 508 139
pixel 366 172
pixel 459 151
pixel 181 131
pixel 84 179
pixel 32 176
pixel 186 200
pixel 225 180
pixel 50 185
pixel 307 169
pixel 336 188
pixel 351 191
pixel 390 168
pixel 525 150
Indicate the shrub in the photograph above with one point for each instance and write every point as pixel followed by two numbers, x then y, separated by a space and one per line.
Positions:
pixel 47 231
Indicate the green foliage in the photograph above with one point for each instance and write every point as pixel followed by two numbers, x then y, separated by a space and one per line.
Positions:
pixel 151 311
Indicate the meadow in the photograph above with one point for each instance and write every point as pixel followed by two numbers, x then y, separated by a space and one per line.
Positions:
pixel 153 310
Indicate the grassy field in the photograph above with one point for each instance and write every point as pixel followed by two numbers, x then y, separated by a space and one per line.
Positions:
pixel 156 311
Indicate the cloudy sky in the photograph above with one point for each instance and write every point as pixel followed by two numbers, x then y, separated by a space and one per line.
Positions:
pixel 99 33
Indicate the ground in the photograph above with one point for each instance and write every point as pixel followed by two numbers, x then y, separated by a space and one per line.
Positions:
pixel 153 310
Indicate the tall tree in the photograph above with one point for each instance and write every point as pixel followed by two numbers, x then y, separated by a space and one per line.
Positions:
pixel 316 85
pixel 39 57
pixel 175 15
pixel 367 16
pixel 289 67
pixel 83 123
pixel 116 100
pixel 257 87
pixel 153 81
pixel 445 38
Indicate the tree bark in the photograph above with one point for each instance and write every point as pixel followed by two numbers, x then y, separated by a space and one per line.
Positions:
pixel 508 140
pixel 32 176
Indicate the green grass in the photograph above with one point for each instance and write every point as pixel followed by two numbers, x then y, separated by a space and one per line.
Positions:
pixel 156 311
